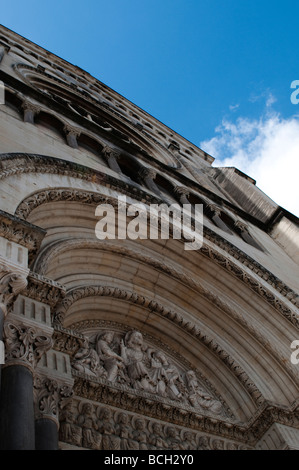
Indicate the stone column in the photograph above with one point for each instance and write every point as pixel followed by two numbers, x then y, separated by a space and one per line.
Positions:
pixel 112 156
pixel 52 387
pixel 27 336
pixel 71 135
pixel 30 111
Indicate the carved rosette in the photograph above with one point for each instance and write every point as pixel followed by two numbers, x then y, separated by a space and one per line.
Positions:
pixel 24 345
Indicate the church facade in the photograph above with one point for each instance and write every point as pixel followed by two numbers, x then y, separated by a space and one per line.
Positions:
pixel 134 343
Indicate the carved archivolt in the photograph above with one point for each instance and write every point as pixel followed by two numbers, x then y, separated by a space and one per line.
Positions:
pixel 46 257
pixel 251 281
pixel 171 315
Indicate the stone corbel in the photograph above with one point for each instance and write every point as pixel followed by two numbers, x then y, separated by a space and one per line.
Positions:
pixel 242 229
pixel 215 216
pixel 112 156
pixel 30 111
pixel 72 134
pixel 182 194
pixel 148 176
pixel 3 50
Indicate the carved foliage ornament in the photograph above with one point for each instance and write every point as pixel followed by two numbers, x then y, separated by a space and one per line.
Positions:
pixel 24 344
pixel 11 284
pixel 49 396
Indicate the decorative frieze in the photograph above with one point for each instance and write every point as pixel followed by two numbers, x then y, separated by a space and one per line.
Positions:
pixel 86 424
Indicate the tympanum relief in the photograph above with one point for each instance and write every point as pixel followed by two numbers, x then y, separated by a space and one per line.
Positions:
pixel 125 359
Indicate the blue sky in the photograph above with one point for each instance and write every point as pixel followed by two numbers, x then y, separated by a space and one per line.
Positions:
pixel 216 71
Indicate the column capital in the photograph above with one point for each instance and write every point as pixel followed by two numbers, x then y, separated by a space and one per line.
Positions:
pixel 28 105
pixel 49 394
pixel 71 130
pixel 11 284
pixel 241 225
pixel 147 173
pixel 24 343
pixel 181 190
pixel 110 152
pixel 215 209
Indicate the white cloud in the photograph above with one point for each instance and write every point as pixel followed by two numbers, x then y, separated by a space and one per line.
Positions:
pixel 266 149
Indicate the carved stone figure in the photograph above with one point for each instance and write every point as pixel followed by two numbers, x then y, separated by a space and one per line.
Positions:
pixel 87 420
pixel 173 439
pixel 188 441
pixel 140 435
pixel 166 376
pixel 198 397
pixel 69 431
pixel 125 432
pixel 107 428
pixel 112 361
pixel 203 443
pixel 133 355
pixel 156 438
pixel 86 360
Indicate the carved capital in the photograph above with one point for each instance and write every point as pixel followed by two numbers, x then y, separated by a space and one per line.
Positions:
pixel 46 398
pixel 24 345
pixel 181 190
pixel 145 173
pixel 214 209
pixel 70 130
pixel 109 152
pixel 30 111
pixel 72 133
pixel 241 226
pixel 11 284
pixel 49 394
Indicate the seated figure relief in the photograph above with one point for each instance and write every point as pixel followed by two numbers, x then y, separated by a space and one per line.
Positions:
pixel 126 359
